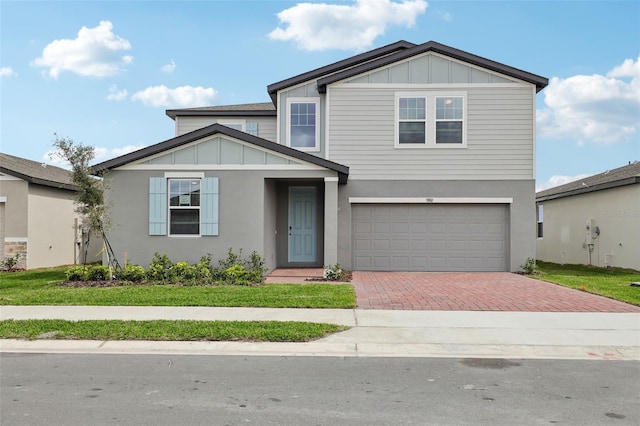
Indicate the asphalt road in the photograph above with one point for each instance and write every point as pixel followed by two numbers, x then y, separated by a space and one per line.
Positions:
pixel 56 389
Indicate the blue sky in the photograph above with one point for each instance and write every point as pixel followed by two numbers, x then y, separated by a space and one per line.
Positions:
pixel 103 73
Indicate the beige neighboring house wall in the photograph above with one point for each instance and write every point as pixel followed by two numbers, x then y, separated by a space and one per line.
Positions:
pixel 37 215
pixel 600 227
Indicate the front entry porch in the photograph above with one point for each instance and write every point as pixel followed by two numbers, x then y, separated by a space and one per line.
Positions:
pixel 301 222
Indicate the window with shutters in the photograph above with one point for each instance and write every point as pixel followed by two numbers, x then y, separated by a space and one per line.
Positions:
pixel 183 206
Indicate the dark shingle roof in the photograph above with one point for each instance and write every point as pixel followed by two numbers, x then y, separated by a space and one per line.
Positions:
pixel 625 175
pixel 258 109
pixel 36 172
pixel 343 171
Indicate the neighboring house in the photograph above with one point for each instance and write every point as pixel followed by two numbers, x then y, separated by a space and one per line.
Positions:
pixel 592 221
pixel 37 217
pixel 408 157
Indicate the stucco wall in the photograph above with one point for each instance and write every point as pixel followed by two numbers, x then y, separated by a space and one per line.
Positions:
pixel 52 237
pixel 521 211
pixel 242 217
pixel 616 212
pixel 15 207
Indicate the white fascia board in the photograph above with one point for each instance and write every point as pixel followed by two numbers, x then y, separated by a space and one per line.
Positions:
pixel 206 167
pixel 3 199
pixel 430 200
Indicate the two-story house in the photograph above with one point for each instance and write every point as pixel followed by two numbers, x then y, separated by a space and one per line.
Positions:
pixel 407 157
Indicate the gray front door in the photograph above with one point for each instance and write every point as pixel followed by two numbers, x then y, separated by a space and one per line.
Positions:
pixel 302 224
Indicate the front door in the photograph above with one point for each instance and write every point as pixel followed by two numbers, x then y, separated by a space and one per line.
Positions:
pixel 302 224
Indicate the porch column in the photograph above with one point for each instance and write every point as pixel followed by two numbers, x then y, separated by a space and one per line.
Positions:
pixel 330 220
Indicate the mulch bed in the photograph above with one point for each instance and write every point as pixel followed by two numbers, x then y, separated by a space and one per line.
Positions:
pixel 115 283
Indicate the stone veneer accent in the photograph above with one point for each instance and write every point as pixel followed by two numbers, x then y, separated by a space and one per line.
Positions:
pixel 12 247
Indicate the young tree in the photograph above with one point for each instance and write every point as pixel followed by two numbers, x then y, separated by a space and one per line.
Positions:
pixel 90 201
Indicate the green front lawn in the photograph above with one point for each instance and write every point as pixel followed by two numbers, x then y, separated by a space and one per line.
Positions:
pixel 609 282
pixel 251 331
pixel 40 287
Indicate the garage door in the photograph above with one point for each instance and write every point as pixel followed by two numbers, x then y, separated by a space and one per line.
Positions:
pixel 429 237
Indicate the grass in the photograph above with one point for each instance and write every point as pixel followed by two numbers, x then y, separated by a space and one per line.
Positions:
pixel 252 331
pixel 39 287
pixel 609 282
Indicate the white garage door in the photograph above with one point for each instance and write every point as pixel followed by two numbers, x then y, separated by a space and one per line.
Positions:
pixel 429 237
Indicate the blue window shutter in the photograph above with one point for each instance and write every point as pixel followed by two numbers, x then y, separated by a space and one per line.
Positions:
pixel 157 206
pixel 252 128
pixel 209 206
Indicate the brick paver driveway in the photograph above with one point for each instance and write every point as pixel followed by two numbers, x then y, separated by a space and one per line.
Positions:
pixel 478 291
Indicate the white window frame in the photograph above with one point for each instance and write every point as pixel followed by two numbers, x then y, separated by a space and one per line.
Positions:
pixel 430 121
pixel 315 101
pixel 170 207
pixel 540 221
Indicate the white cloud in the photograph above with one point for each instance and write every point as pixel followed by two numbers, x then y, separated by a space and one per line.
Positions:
pixel 7 72
pixel 557 181
pixel 593 108
pixel 183 96
pixel 117 95
pixel 169 67
pixel 321 26
pixel 95 52
pixel 103 154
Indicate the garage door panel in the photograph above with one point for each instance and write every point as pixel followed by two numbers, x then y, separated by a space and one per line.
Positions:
pixel 430 237
pixel 381 262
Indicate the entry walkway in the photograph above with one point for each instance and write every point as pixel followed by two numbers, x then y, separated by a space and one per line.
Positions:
pixel 373 333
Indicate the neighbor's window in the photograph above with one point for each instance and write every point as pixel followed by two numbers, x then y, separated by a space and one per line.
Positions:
pixel 449 119
pixel 412 120
pixel 540 222
pixel 303 126
pixel 184 206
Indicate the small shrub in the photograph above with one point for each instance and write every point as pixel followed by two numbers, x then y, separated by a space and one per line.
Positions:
pixel 236 274
pixel 529 266
pixel 133 273
pixel 97 273
pixel 161 269
pixel 10 263
pixel 332 272
pixel 76 273
pixel 232 259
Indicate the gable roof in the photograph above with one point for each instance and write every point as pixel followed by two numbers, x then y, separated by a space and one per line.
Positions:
pixel 343 171
pixel 37 172
pixel 625 175
pixel 338 66
pixel 263 109
pixel 432 46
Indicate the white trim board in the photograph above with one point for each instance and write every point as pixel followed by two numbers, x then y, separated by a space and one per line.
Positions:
pixel 211 167
pixel 430 200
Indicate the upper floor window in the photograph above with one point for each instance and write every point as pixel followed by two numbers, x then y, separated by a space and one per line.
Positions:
pixel 430 119
pixel 412 116
pixel 303 130
pixel 250 127
pixel 449 119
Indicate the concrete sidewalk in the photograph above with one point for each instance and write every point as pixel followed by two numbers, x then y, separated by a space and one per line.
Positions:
pixel 374 333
